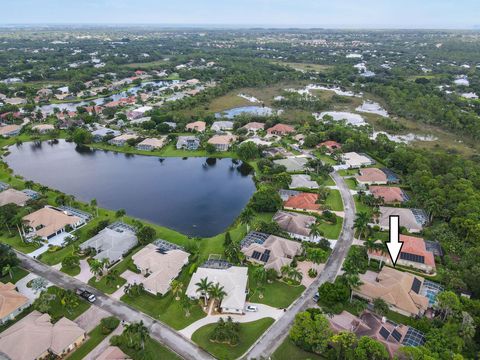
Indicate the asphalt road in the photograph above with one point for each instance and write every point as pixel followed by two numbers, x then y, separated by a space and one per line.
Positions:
pixel 277 333
pixel 158 331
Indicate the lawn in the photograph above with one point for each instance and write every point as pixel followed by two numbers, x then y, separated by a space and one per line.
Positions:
pixel 348 172
pixel 334 201
pixel 57 310
pixel 153 351
pixel 17 272
pixel 73 271
pixel 249 333
pixel 305 66
pixel 331 231
pixel 277 294
pixel 95 337
pixel 361 207
pixel 289 351
pixel 17 243
pixel 351 183
pixel 326 159
pixel 107 288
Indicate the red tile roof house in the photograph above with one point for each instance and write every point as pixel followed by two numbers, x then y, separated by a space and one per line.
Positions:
pixel 254 126
pixel 371 176
pixel 331 145
pixel 389 194
pixel 280 130
pixel 199 126
pixel 414 254
pixel 303 202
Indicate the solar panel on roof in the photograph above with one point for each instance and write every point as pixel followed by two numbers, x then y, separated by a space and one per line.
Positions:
pixel 413 337
pixel 385 333
pixel 412 257
pixel 396 335
pixel 256 255
pixel 416 285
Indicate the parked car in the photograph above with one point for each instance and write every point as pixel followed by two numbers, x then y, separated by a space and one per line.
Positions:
pixel 87 295
pixel 251 308
pixel 316 297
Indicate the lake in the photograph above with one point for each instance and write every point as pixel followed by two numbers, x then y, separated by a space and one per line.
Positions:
pixel 248 110
pixel 195 196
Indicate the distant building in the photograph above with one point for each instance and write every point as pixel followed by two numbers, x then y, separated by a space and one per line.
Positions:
pixel 10 130
pixel 389 194
pixel 293 163
pixel 355 160
pixel 103 132
pixel 121 140
pixel 370 176
pixel 303 181
pixel 222 142
pixel 150 144
pixel 330 145
pixel 199 126
pixel 281 129
pixel 12 302
pixel 296 225
pixel 12 196
pixel 254 126
pixel 412 219
pixel 219 126
pixel 303 202
pixel 43 128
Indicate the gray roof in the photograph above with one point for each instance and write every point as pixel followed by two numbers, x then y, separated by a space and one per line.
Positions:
pixel 303 181
pixel 294 223
pixel 293 163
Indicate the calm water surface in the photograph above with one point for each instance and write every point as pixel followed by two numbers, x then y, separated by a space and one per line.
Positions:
pixel 196 196
pixel 250 110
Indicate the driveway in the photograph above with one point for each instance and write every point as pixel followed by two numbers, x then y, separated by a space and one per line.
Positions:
pixel 304 266
pixel 85 274
pixel 28 292
pixel 277 333
pixel 96 352
pixel 91 318
pixel 264 311
pixel 56 240
pixel 132 278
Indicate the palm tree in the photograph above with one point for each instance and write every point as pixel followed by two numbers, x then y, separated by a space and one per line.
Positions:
pixel 217 292
pixel 186 305
pixel 136 334
pixel 69 300
pixel 315 230
pixel 361 223
pixel 284 270
pixel 294 274
pixel 260 277
pixel 177 287
pixel 203 287
pixel 246 217
pixel 96 267
pixel 111 277
pixel 7 269
pixel 29 184
pixel 353 281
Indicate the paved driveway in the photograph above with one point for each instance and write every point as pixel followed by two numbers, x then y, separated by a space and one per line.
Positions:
pixel 28 292
pixel 85 274
pixel 91 318
pixel 56 240
pixel 264 311
pixel 304 266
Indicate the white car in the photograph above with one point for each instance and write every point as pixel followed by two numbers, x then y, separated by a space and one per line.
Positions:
pixel 251 308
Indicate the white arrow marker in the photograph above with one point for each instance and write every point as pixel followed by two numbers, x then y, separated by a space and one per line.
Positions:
pixel 394 245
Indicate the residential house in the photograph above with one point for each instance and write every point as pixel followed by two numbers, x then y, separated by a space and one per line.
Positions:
pixel 10 130
pixel 15 101
pixel 188 143
pixel 222 142
pixel 302 181
pixel 303 202
pixel 389 194
pixel 150 144
pixel 280 130
pixel 293 163
pixel 273 253
pixel 121 140
pixel 12 196
pixel 219 126
pixel 254 126
pixel 160 266
pixel 101 132
pixel 276 151
pixel 138 113
pixel 112 243
pixel 36 337
pixel 49 221
pixel 112 353
pixel 354 160
pixel 400 290
pixel 234 280
pixel 330 145
pixel 412 219
pixel 390 334
pixel 371 176
pixel 296 225
pixel 258 141
pixel 199 126
pixel 413 254
pixel 12 302
pixel 43 128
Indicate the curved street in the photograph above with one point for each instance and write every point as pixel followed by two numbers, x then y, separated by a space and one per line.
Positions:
pixel 276 334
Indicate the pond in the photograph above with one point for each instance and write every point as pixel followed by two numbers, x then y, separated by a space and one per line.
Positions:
pixel 195 196
pixel 249 110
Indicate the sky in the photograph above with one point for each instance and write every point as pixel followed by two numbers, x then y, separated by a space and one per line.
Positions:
pixel 443 14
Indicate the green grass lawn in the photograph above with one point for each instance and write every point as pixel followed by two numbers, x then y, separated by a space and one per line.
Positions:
pixel 95 337
pixel 331 231
pixel 57 310
pixel 289 351
pixel 351 183
pixel 107 288
pixel 17 243
pixel 348 172
pixel 326 159
pixel 334 201
pixel 277 294
pixel 71 271
pixel 249 333
pixel 17 272
pixel 153 351
pixel 361 207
